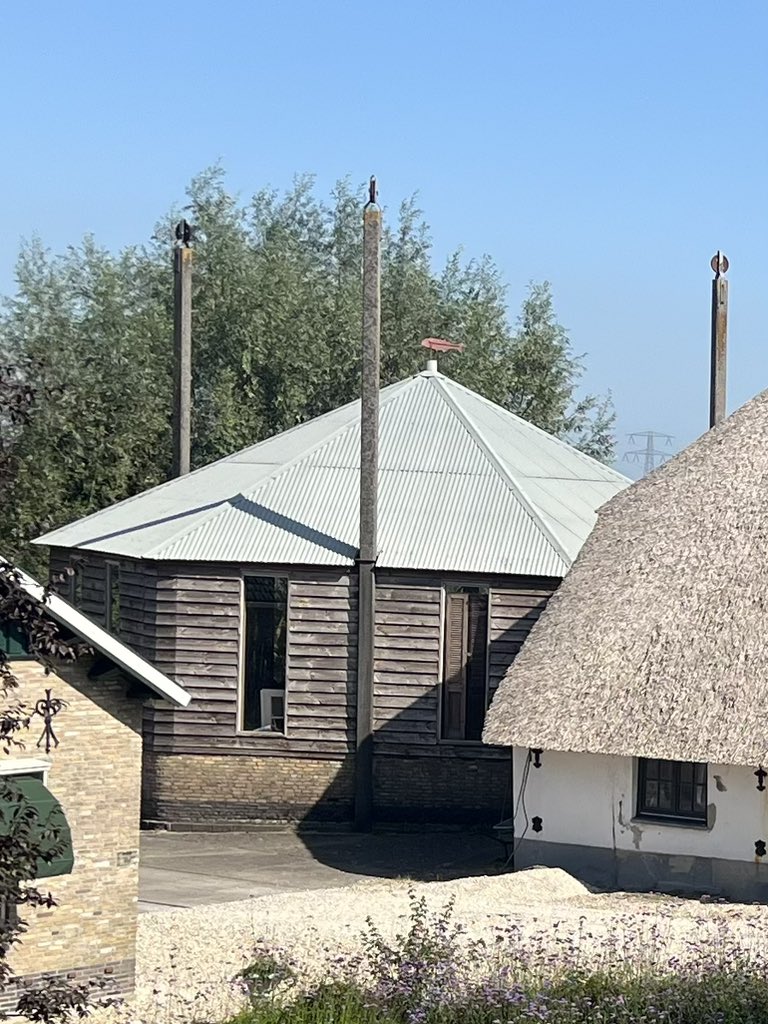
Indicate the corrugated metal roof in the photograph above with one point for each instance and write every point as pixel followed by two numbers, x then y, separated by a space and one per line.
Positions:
pixel 465 486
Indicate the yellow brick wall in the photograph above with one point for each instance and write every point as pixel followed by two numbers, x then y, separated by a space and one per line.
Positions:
pixel 199 788
pixel 95 774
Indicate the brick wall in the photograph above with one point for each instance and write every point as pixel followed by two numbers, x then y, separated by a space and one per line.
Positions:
pixel 112 979
pixel 95 774
pixel 446 789
pixel 197 788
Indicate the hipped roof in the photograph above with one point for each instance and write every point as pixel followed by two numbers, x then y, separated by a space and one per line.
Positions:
pixel 655 643
pixel 464 486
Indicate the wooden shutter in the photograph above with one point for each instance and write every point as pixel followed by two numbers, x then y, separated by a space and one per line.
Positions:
pixel 455 667
pixel 48 825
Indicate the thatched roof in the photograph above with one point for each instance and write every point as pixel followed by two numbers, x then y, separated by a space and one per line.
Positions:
pixel 656 644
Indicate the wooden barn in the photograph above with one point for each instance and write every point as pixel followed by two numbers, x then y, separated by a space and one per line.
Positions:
pixel 239 580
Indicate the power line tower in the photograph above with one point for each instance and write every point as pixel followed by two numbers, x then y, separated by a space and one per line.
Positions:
pixel 649 454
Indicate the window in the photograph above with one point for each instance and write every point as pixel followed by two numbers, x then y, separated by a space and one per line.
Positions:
pixel 13 642
pixel 75 585
pixel 9 915
pixel 266 614
pixel 465 667
pixel 112 598
pixel 674 790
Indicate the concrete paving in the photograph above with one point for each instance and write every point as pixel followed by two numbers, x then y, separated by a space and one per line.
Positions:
pixel 188 869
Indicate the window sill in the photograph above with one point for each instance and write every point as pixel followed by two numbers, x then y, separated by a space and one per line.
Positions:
pixel 264 734
pixel 651 819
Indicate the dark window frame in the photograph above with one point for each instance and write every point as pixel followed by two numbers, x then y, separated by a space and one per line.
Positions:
pixel 112 598
pixel 75 585
pixel 676 776
pixel 249 711
pixel 476 675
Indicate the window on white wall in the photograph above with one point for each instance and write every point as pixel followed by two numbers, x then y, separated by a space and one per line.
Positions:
pixel 672 790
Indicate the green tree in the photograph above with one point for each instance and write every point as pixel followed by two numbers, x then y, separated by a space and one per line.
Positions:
pixel 277 313
pixel 24 838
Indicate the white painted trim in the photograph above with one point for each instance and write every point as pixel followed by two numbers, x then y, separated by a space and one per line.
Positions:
pixel 22 765
pixel 103 641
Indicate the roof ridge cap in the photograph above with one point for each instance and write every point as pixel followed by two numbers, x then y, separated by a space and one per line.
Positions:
pixel 572 449
pixel 501 470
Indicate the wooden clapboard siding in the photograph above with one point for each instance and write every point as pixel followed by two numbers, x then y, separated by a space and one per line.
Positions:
pixel 137 587
pixel 322 659
pixel 186 619
pixel 513 612
pixel 91 569
pixel 196 612
pixel 406 665
pixel 197 626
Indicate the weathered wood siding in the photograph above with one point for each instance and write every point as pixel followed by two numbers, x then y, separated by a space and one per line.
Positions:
pixel 198 643
pixel 92 570
pixel 137 584
pixel 513 611
pixel 322 660
pixel 136 587
pixel 186 619
pixel 407 666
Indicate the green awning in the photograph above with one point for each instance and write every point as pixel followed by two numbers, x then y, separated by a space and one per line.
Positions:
pixel 50 827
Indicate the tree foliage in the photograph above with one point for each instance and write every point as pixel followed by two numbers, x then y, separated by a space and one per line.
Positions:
pixel 277 313
pixel 24 839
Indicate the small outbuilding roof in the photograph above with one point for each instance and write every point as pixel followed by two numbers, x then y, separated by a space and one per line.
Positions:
pixel 464 486
pixel 128 660
pixel 655 643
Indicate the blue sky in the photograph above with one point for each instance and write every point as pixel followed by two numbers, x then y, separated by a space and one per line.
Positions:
pixel 610 147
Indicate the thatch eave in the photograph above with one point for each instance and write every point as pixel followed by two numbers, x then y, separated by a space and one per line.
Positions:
pixel 656 644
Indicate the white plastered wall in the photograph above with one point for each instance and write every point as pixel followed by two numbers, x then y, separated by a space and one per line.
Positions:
pixel 590 800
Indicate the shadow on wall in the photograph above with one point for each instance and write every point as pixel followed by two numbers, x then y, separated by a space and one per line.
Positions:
pixel 419 780
pixel 454 792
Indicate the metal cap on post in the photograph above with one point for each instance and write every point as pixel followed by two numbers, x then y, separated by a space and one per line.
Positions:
pixel 369 485
pixel 182 349
pixel 719 264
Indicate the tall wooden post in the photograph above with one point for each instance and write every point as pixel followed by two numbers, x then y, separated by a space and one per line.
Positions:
pixel 719 264
pixel 182 350
pixel 369 486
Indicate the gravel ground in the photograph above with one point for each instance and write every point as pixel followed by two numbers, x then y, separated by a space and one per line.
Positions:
pixel 186 958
